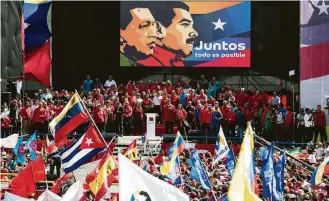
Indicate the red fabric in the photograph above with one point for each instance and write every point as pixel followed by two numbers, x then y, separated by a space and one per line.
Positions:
pixel 142 87
pixel 209 147
pixel 326 170
pixel 130 88
pixel 25 113
pixel 127 111
pixel 99 115
pixel 159 159
pixel 313 62
pixel 169 113
pixel 99 97
pixel 205 116
pixel 92 139
pixel 320 119
pixel 236 149
pixel 248 113
pixel 38 168
pixel 37 64
pixel 162 58
pixel 6 122
pixel 23 184
pixel 39 114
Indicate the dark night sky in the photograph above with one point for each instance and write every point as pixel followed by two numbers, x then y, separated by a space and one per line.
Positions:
pixel 86 41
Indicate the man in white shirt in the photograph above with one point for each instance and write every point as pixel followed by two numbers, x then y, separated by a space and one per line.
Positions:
pixel 308 126
pixel 157 104
pixel 275 100
pixel 110 82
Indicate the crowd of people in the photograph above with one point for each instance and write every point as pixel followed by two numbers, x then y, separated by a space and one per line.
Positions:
pixel 189 105
pixel 198 105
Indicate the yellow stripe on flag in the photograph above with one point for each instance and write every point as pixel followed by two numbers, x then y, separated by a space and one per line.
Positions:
pixel 106 169
pixel 240 189
pixel 131 151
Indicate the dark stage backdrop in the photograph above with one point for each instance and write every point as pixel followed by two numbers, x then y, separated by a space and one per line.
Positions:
pixel 86 41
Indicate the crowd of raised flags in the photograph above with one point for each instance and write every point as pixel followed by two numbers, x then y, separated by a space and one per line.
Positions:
pixel 133 181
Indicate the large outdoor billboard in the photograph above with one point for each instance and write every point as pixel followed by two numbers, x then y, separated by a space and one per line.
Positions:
pixel 185 34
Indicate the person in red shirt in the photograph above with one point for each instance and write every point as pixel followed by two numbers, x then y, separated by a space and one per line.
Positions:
pixel 110 126
pixel 289 122
pixel 100 117
pixel 38 119
pixel 98 96
pixel 159 158
pixel 202 97
pixel 230 118
pixel 127 114
pixel 319 125
pixel 148 104
pixel 241 98
pixel 205 118
pixel 169 115
pixel 5 123
pixel 247 112
pixel 141 86
pixel 174 99
pixel 138 116
pixel 25 114
pixel 236 148
pixel 181 122
pixel 192 97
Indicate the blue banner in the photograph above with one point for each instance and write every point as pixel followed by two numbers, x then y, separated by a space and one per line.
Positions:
pixel 19 151
pixel 198 173
pixel 230 162
pixel 267 171
pixel 31 145
pixel 278 183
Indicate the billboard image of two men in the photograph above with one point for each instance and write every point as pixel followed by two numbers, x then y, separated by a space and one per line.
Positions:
pixel 164 34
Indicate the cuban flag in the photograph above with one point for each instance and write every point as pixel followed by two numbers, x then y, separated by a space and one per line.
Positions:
pixel 222 148
pixel 74 156
pixel 31 145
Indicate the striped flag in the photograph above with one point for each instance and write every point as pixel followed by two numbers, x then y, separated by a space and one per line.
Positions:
pixel 103 176
pixel 131 151
pixel 72 116
pixel 318 173
pixel 73 156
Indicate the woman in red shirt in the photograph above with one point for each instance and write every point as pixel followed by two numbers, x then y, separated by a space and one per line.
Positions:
pixel 127 113
pixel 100 117
pixel 138 115
pixel 181 122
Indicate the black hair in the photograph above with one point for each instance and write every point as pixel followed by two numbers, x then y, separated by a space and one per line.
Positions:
pixel 143 193
pixel 164 11
pixel 125 8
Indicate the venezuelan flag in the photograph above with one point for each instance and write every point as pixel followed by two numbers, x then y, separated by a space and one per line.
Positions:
pixel 180 143
pixel 175 150
pixel 241 188
pixel 103 176
pixel 318 172
pixel 131 151
pixel 72 116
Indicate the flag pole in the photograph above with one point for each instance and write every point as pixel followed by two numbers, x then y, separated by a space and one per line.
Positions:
pixel 92 120
pixel 200 161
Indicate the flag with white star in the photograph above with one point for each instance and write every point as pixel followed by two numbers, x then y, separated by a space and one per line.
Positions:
pixel 314 48
pixel 217 23
pixel 92 139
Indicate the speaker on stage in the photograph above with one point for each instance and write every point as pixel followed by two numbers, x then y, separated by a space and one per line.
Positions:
pixel 5 98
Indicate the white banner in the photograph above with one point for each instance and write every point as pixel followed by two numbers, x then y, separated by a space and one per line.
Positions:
pixel 137 184
pixel 150 124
